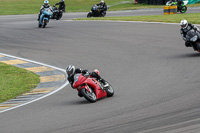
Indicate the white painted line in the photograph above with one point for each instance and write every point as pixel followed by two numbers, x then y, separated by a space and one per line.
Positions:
pixel 112 21
pixel 39 97
pixel 70 20
pixel 33 62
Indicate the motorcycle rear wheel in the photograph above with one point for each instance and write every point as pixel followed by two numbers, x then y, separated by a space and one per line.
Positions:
pixel 183 9
pixel 109 90
pixel 90 96
pixel 59 16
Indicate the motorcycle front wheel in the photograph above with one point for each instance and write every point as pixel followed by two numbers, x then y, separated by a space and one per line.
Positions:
pixel 45 23
pixel 89 15
pixel 198 47
pixel 90 96
pixel 103 14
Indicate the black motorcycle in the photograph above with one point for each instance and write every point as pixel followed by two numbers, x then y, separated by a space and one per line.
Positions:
pixel 96 11
pixel 192 38
pixel 57 14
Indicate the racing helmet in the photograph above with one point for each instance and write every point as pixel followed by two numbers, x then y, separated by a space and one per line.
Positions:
pixel 46 2
pixel 183 24
pixel 97 71
pixel 62 0
pixel 102 2
pixel 78 70
pixel 70 70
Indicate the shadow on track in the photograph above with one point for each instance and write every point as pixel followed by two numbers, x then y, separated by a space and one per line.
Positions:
pixel 84 101
pixel 76 102
pixel 191 55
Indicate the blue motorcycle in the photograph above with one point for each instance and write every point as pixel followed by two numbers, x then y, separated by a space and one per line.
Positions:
pixel 44 18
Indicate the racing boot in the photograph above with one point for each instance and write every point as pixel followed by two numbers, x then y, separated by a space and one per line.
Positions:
pixel 79 94
pixel 38 17
pixel 187 44
pixel 105 84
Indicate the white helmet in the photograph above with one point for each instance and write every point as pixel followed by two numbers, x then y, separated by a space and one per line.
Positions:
pixel 70 70
pixel 46 2
pixel 183 23
pixel 102 2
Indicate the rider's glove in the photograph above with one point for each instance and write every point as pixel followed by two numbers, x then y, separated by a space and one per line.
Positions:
pixel 185 39
pixel 87 74
pixel 85 71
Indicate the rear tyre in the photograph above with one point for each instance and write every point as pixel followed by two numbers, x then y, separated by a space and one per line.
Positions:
pixel 109 90
pixel 90 96
pixel 183 9
pixel 59 16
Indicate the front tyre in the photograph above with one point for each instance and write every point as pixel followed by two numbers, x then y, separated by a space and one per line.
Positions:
pixel 103 14
pixel 90 96
pixel 183 9
pixel 89 15
pixel 109 90
pixel 45 23
pixel 198 47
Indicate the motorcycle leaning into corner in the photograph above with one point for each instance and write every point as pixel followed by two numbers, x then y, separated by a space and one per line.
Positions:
pixel 57 14
pixel 180 8
pixel 44 17
pixel 193 39
pixel 97 11
pixel 91 88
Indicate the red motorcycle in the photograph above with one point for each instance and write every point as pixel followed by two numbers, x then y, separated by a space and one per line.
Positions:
pixel 91 88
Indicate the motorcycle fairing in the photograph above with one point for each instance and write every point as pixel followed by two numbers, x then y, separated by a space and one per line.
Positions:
pixel 45 15
pixel 92 83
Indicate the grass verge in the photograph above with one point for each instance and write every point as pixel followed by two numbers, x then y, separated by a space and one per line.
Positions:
pixel 15 81
pixel 130 6
pixel 175 18
pixel 13 7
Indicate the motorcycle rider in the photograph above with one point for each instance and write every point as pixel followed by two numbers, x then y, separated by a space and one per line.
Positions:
pixel 185 27
pixel 103 6
pixel 71 71
pixel 61 5
pixel 179 3
pixel 171 1
pixel 45 5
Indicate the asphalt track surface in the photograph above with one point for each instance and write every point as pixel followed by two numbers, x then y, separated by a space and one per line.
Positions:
pixel 155 77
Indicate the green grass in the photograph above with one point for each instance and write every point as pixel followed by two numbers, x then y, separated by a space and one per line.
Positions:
pixel 13 7
pixel 175 18
pixel 15 81
pixel 8 7
pixel 130 6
